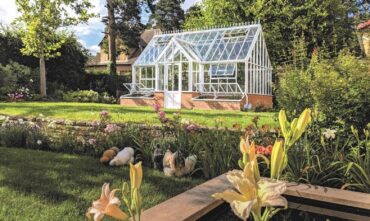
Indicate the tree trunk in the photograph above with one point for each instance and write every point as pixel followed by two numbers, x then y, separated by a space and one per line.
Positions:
pixel 42 77
pixel 112 38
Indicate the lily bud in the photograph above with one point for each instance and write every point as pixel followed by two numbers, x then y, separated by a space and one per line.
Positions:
pixel 277 160
pixel 284 124
pixel 243 145
pixel 136 201
pixel 125 189
pixel 136 175
pixel 300 125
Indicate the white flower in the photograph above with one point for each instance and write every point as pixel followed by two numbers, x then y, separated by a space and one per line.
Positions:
pixel 52 125
pixel 185 121
pixel 41 115
pixel 329 134
pixel 2 117
pixel 20 121
pixel 39 142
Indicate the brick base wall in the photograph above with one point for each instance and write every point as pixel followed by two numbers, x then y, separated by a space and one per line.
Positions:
pixel 187 102
pixel 216 105
pixel 133 102
pixel 255 99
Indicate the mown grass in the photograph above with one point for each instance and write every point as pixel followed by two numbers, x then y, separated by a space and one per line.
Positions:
pixel 90 111
pixel 37 185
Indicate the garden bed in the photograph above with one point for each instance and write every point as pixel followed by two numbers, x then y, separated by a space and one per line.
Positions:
pixel 90 112
pixel 48 186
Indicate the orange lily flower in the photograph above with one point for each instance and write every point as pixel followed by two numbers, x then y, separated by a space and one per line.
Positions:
pixel 108 205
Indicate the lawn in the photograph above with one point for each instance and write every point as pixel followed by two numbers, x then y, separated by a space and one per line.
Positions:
pixel 36 185
pixel 89 112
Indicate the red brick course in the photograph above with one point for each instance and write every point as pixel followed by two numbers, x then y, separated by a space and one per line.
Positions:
pixel 188 102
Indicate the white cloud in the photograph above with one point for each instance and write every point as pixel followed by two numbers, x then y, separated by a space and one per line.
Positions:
pixel 94 49
pixel 8 11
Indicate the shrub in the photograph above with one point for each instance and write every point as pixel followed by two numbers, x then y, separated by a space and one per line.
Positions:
pixel 338 89
pixel 23 135
pixel 16 82
pixel 104 83
pixel 89 96
pixel 341 92
pixel 294 91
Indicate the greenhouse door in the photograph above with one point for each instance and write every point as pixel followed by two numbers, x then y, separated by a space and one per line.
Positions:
pixel 172 87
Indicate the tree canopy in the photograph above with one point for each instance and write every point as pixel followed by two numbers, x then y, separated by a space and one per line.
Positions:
pixel 168 14
pixel 323 24
pixel 41 25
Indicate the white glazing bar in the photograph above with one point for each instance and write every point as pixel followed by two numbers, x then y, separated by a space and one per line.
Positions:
pixel 206 41
pixel 260 82
pixel 201 76
pixel 190 76
pixel 211 45
pixel 254 70
pixel 245 40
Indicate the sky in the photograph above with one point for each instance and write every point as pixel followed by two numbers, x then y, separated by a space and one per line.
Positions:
pixel 89 34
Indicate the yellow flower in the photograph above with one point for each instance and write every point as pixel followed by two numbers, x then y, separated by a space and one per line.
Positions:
pixel 136 175
pixel 251 195
pixel 108 205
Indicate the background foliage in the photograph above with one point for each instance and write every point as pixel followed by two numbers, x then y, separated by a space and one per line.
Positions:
pixel 338 89
pixel 327 24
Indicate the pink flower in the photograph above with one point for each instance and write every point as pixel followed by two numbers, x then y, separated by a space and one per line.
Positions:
pixel 104 113
pixel 111 128
pixel 162 114
pixel 268 150
pixel 260 149
pixel 92 141
pixel 156 107
pixel 192 127
pixel 95 124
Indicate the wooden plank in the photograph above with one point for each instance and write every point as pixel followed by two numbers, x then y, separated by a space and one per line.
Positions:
pixel 327 212
pixel 190 205
pixel 195 203
pixel 329 195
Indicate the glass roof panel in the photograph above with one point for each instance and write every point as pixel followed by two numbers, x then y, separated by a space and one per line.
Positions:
pixel 222 44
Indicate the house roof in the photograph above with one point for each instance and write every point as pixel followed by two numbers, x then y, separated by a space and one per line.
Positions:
pixel 363 25
pixel 214 45
pixel 145 38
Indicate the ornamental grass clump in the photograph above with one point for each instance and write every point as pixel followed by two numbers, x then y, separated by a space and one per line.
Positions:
pixel 252 192
pixel 109 204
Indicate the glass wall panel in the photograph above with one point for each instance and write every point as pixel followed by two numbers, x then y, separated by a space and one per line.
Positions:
pixel 147 77
pixel 185 76
pixel 161 78
pixel 195 74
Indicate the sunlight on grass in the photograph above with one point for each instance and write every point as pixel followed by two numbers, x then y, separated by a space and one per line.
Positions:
pixel 90 111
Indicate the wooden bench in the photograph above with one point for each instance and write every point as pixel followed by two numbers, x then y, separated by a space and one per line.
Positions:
pixel 196 202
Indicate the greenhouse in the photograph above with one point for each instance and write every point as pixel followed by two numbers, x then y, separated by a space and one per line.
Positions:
pixel 218 68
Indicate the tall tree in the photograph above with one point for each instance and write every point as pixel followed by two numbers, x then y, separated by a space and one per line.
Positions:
pixel 129 24
pixel 169 15
pixel 112 52
pixel 41 22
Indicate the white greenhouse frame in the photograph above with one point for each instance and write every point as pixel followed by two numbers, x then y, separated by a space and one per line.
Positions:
pixel 223 61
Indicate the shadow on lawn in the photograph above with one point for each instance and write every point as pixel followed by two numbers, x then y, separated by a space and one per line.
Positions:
pixel 53 177
pixel 59 177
